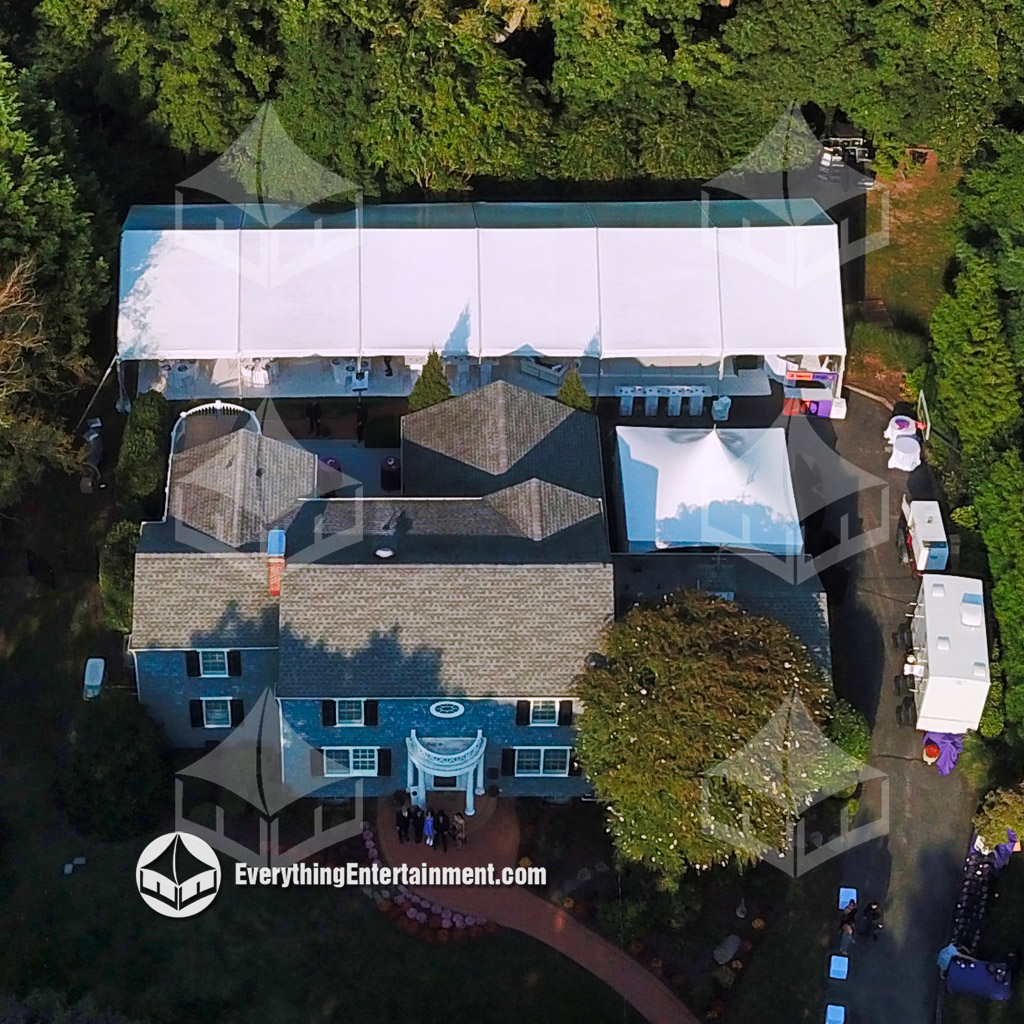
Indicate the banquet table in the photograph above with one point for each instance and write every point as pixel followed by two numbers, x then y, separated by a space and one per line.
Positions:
pixel 900 426
pixel 906 454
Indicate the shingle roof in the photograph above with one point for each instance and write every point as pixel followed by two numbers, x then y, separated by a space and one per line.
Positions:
pixel 232 487
pixel 197 599
pixel 404 630
pixel 497 436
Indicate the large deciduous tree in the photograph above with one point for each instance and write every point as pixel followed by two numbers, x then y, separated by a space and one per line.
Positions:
pixel 680 688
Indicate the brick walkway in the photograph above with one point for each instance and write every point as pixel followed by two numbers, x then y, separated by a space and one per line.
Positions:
pixel 494 839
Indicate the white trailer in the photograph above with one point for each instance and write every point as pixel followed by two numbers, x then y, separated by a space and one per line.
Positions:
pixel 924 536
pixel 949 660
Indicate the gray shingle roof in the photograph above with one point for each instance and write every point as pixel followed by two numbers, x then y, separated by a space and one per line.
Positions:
pixel 403 630
pixel 196 599
pixel 232 487
pixel 497 436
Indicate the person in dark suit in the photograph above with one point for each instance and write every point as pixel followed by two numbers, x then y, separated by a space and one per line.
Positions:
pixel 418 820
pixel 403 819
pixel 441 826
pixel 313 413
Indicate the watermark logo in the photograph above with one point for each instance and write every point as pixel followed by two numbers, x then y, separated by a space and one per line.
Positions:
pixel 786 169
pixel 266 763
pixel 178 875
pixel 789 768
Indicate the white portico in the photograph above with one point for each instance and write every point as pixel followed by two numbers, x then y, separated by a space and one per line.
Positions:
pixel 446 764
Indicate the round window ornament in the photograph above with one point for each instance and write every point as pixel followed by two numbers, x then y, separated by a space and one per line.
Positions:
pixel 447 709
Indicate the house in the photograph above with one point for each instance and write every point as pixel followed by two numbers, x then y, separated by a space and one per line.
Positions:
pixel 422 642
pixel 671 302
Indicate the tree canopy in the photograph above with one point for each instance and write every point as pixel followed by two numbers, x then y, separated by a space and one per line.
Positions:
pixel 679 688
pixel 431 386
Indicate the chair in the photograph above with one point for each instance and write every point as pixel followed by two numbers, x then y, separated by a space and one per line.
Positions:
pixel 845 895
pixel 835 1014
pixel 720 408
pixel 839 967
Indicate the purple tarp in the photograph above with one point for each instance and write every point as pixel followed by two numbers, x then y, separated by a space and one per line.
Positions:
pixel 950 745
pixel 1002 853
pixel 978 978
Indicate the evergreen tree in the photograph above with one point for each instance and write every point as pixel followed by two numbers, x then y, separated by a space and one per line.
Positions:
pixel 572 392
pixel 432 386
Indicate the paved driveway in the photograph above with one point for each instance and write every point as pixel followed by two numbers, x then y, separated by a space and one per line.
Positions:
pixel 913 872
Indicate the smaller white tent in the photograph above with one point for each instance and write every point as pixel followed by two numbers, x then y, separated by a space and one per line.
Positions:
pixel 951 648
pixel 708 488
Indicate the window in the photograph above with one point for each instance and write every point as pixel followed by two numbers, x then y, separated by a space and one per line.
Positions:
pixel 542 760
pixel 447 709
pixel 747 362
pixel 216 712
pixel 446 782
pixel 350 761
pixel 213 663
pixel 543 712
pixel 350 712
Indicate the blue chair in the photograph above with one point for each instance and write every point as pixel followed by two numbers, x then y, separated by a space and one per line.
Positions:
pixel 839 967
pixel 845 895
pixel 835 1014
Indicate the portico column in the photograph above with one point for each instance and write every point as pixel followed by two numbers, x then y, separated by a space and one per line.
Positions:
pixel 408 773
pixel 480 777
pixel 470 809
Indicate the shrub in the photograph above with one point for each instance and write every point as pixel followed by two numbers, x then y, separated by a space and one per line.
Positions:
pixel 572 392
pixel 431 386
pixel 977 763
pixel 142 461
pixel 1003 809
pixel 966 517
pixel 117 574
pixel 992 717
pixel 115 782
pixel 848 728
pixel 624 920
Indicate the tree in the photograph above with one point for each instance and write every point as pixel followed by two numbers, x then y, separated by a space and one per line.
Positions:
pixel 432 385
pixel 142 459
pixel 678 688
pixel 117 574
pixel 850 730
pixel 572 392
pixel 115 782
pixel 1002 809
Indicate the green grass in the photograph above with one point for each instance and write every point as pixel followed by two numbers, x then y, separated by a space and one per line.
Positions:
pixel 308 957
pixel 897 350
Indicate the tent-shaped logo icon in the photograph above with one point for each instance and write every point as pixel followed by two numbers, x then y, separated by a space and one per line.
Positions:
pixel 178 874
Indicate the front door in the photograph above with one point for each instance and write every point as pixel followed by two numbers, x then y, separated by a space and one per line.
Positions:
pixel 446 782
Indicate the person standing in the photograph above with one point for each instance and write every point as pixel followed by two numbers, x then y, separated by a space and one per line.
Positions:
pixel 441 827
pixel 846 939
pixel 428 826
pixel 459 829
pixel 417 823
pixel 873 920
pixel 849 916
pixel 402 822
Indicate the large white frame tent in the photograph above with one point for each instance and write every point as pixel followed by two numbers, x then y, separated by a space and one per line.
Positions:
pixel 662 283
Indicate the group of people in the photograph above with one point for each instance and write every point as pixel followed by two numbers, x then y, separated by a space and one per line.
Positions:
pixel 848 924
pixel 427 827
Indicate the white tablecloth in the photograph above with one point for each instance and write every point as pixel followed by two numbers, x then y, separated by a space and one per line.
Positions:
pixel 900 426
pixel 906 454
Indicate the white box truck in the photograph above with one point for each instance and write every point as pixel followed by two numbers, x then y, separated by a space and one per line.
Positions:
pixel 949 660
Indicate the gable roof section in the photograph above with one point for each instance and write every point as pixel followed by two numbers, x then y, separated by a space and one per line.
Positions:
pixel 497 436
pixel 474 630
pixel 233 487
pixel 195 599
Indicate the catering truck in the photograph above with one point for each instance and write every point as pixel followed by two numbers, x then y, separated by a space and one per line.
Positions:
pixel 922 537
pixel 948 659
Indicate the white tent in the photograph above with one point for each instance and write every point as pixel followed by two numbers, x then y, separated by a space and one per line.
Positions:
pixel 661 283
pixel 951 648
pixel 708 488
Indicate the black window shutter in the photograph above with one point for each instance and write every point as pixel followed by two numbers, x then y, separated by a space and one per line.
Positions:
pixel 575 768
pixel 234 663
pixel 370 715
pixel 329 712
pixel 508 761
pixel 237 712
pixel 316 762
pixel 195 713
pixel 192 663
pixel 565 712
pixel 384 761
pixel 522 712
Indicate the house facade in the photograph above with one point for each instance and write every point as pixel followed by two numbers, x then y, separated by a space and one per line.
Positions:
pixel 426 642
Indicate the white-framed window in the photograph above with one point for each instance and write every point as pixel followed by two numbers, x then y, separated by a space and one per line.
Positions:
pixel 350 760
pixel 542 760
pixel 447 709
pixel 213 663
pixel 350 712
pixel 216 712
pixel 543 712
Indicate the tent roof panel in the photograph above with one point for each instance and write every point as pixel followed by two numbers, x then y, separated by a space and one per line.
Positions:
pixel 186 217
pixel 759 213
pixel 533 215
pixel 419 215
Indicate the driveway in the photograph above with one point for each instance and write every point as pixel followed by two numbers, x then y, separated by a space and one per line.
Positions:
pixel 914 871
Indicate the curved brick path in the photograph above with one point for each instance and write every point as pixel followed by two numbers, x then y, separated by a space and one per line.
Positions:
pixel 494 839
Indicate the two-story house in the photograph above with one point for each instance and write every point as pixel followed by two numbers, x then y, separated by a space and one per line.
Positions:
pixel 423 642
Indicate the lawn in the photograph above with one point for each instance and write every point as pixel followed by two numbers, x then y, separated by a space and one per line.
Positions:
pixel 256 955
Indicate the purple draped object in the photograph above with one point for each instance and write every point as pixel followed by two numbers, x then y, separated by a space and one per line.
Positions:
pixel 951 746
pixel 1002 853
